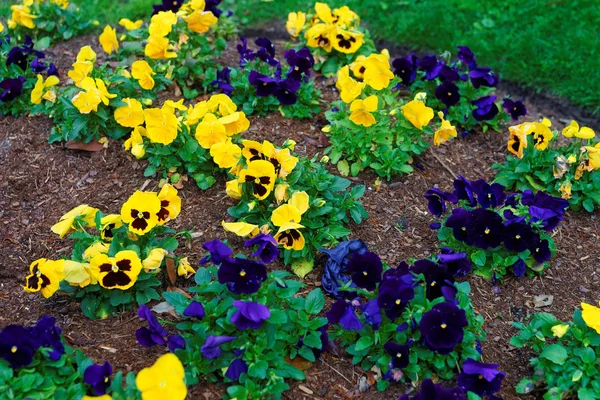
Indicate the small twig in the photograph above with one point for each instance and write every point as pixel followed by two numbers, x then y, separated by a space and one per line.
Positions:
pixel 338 372
pixel 443 164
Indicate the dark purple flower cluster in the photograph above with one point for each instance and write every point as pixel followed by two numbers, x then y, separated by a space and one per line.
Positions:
pixel 242 275
pixel 167 5
pixel 18 345
pixel 155 333
pixel 283 86
pixel 448 75
pixel 432 391
pixel 490 218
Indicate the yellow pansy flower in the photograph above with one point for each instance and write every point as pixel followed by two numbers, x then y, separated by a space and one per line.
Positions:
pixel 417 113
pixel 142 72
pixel 81 70
pixel 347 42
pixel 78 274
pixel 164 380
pixel 118 272
pixel 361 111
pixel 222 104
pixel 86 53
pixel 170 204
pixel 39 92
pixel 281 192
pixel 95 249
pixel 240 228
pixel 377 72
pixel 131 114
pixel 542 135
pixel 154 259
pixel 130 25
pixel 445 132
pixel 324 13
pixel 210 132
pixel 284 214
pixel 235 123
pixel 66 224
pixel 44 276
pixel 140 212
pixel 161 24
pixel 349 88
pixel 161 125
pixel 185 269
pixel 321 35
pixel 591 316
pixel 107 224
pixel 226 154
pixel 301 201
pixel 593 156
pixel 196 112
pixel 159 48
pixel 517 141
pixel 573 130
pixel 200 21
pixel 295 23
pixel 233 188
pixel 135 143
pixel 261 174
pixel 108 40
pixel 290 237
pixel 1 27
pixel 21 14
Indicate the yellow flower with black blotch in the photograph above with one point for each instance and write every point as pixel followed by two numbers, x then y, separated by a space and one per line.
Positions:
pixel 200 21
pixel 321 35
pixel 130 25
pixel 542 135
pixel 161 124
pixel 140 212
pixel 290 237
pixel 347 42
pixel 226 154
pixel 345 17
pixel 295 23
pixel 362 109
pixel 159 48
pixel 108 40
pixel 591 316
pixel 517 141
pixel 164 380
pixel 78 274
pixel 235 123
pixel 161 23
pixel 135 143
pixel 377 72
pixel 39 91
pixel 44 276
pixel 282 159
pixel 66 224
pixel 445 132
pixel 252 150
pixel 131 114
pixel 95 249
pixel 142 72
pixel 417 113
pixel 222 104
pixel 210 131
pixel 233 188
pixel 118 272
pixel 154 259
pixel 241 228
pixel 185 269
pixel 170 204
pixel 262 176
pixel 349 87
pixel 107 224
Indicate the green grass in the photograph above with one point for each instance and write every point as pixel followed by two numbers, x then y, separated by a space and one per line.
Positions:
pixel 549 45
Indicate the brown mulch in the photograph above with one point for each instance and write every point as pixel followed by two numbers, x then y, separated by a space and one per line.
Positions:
pixel 40 182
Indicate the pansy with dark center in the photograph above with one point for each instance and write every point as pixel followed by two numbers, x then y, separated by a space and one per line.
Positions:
pixel 449 74
pixel 489 196
pixel 242 275
pixel 432 66
pixel 11 88
pixel 442 327
pixel 457 264
pixel 98 377
pixel 286 91
pixel 212 347
pixel 46 334
pixel 38 66
pixel 436 201
pixel 36 280
pixel 262 175
pixel 300 62
pixel 399 354
pixel 486 108
pixel 540 250
pixel 342 312
pixel 463 190
pixel 481 76
pixel 394 295
pixel 485 229
pixel 119 272
pixel 406 69
pixel 518 236
pixel 458 222
pixel 250 315
pixel 17 346
pixel 480 378
pixel 438 281
pixel 432 391
pixel 223 81
pixel 267 249
pixel 447 92
pixel 466 56
pixel 366 270
pixel 266 51
pixel 334 271
pixel 516 109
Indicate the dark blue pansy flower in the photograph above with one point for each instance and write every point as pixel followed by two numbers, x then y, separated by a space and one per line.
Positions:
pixel 394 295
pixel 518 237
pixel 218 250
pixel 194 310
pixel 544 200
pixel 489 196
pixel 486 108
pixel 286 91
pixel 167 5
pixel 366 269
pixel 223 81
pixel 175 342
pixel 432 66
pixel 481 76
pixel 266 51
pixel 438 281
pixel 342 312
pixel 540 250
pixel 242 275
pixel 38 66
pixel 458 222
pixel 11 88
pixel 17 346
pixel 442 327
pixel 335 266
pixel 458 264
pixel 211 5
pixel 52 70
pixel 399 354
pixel 246 55
pixel 466 56
pixel 265 86
pixel 249 314
pixel 436 201
pixel 236 369
pixel 447 92
pixel 267 247
pixel 48 335
pixel 549 218
pixel 449 74
pixel 545 208
pixel 480 378
pixel 435 225
pixel 372 313
pixel 300 62
pixel 98 377
pixel 485 229
pixel 432 391
pixel 463 190
pixel 401 272
pixel 516 109
pixel 153 334
pixel 519 268
pixel 406 68
pixel 212 347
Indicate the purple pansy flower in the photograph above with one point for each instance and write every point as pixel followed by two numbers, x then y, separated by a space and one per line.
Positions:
pixel 489 196
pixel 249 315
pixel 519 268
pixel 342 312
pixel 486 108
pixel 406 69
pixel 286 91
pixel 394 295
pixel 480 378
pixel 540 250
pixel 447 92
pixel 300 62
pixel 457 264
pixel 212 347
pixel 372 313
pixel 236 369
pixel 463 190
pixel 11 88
pixel 266 51
pixel 466 56
pixel 399 354
pixel 458 222
pixel 211 5
pixel 438 281
pixel 246 55
pixel 194 310
pixel 48 335
pixel 175 342
pixel 218 250
pixel 155 333
pixel 518 236
pixel 366 270
pixel 242 275
pixel 17 346
pixel 442 327
pixel 481 76
pixel 432 66
pixel 516 109
pixel 267 247
pixel 436 201
pixel 98 377
pixel 485 229
pixel 223 81
pixel 449 74
pixel 265 86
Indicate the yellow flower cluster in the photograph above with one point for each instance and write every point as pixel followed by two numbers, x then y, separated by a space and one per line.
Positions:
pixel 328 29
pixel 141 212
pixel 23 16
pixel 42 90
pixel 540 131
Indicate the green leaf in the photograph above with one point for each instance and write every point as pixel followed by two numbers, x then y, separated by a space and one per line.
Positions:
pixel 479 258
pixel 315 301
pixel 343 167
pixel 302 267
pixel 89 305
pixel 364 343
pixel 202 276
pixel 176 299
pixel 588 355
pixel 588 204
pixel 555 353
pixel 355 169
pixel 525 386
pixel 258 369
pixel 150 170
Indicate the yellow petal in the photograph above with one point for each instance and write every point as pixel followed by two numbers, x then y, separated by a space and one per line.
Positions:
pixel 240 228
pixel 300 200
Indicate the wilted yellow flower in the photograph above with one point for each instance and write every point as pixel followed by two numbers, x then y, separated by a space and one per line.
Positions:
pixel 131 114
pixel 130 25
pixel 240 228
pixel 135 143
pixel 445 132
pixel 233 188
pixel 45 276
pixel 559 330
pixel 281 192
pixel 142 71
pixel 38 93
pixel 226 154
pixel 185 269
pixel 161 125
pixel 108 40
pixel 154 259
pixel 565 190
pixel 66 224
pixel 78 274
pixel 417 113
pixel 95 249
pixel 295 23
pixel 361 111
